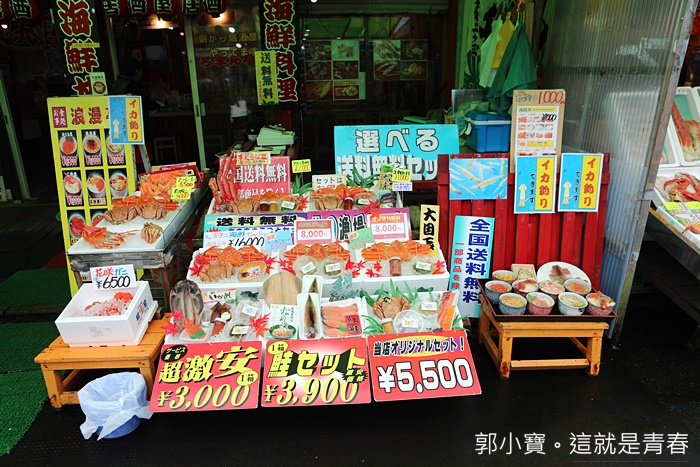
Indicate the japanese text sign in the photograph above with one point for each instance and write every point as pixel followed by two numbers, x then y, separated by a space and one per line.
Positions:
pixel 253 158
pixel 354 219
pixel 579 185
pixel 301 166
pixel 429 223
pixel 535 181
pixel 392 226
pixel 216 376
pixel 126 119
pixel 251 229
pixel 280 36
pixel 327 181
pixel 421 366
pixel 252 180
pixel 360 238
pixel 415 147
pixel 78 36
pixel 471 260
pixel 113 277
pixel 308 232
pixel 478 178
pixel 536 128
pixel 183 188
pixel 279 240
pixel 316 372
pixel 266 76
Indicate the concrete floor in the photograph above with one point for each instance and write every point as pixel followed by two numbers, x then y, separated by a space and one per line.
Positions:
pixel 650 385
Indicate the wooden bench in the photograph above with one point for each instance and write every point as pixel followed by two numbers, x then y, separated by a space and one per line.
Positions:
pixel 508 331
pixel 58 356
pixel 529 238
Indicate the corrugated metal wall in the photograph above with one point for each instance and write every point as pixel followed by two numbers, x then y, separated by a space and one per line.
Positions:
pixel 617 60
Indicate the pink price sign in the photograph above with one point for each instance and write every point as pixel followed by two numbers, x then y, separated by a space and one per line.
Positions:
pixel 308 232
pixel 393 226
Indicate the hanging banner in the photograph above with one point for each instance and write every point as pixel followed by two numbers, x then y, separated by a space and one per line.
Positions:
pixel 422 366
pixel 266 77
pixel 482 178
pixel 91 170
pixel 537 123
pixel 78 37
pixel 215 376
pixel 471 260
pixel 316 372
pixel 535 179
pixel 415 147
pixel 429 225
pixel 251 180
pixel 579 184
pixel 280 35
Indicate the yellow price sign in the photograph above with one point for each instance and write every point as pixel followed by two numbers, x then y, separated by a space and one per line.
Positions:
pixel 186 182
pixel 693 205
pixel 401 175
pixel 670 207
pixel 180 193
pixel 301 165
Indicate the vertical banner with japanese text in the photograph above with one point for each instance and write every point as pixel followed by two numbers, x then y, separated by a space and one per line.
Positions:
pixel 280 36
pixel 579 185
pixel 79 39
pixel 208 376
pixel 316 372
pixel 266 77
pixel 91 170
pixel 429 225
pixel 471 260
pixel 535 184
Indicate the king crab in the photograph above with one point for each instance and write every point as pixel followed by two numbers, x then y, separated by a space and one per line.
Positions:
pixel 678 192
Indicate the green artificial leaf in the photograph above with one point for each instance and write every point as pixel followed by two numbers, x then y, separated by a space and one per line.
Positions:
pixel 373 327
pixel 249 294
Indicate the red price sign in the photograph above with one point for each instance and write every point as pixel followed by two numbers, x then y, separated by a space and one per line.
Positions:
pixel 316 372
pixel 308 232
pixel 421 366
pixel 393 226
pixel 217 376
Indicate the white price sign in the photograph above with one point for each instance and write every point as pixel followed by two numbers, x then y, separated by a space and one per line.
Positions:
pixel 113 277
pixel 308 232
pixel 327 181
pixel 394 226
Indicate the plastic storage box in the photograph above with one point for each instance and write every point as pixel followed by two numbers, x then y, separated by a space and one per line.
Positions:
pixel 488 131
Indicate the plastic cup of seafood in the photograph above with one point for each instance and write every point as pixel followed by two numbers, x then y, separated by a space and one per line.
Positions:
pixel 551 288
pixel 599 304
pixel 539 303
pixel 494 289
pixel 96 186
pixel 117 182
pixel 504 275
pixel 512 304
pixel 524 286
pixel 91 144
pixel 408 321
pixel 578 286
pixel 571 303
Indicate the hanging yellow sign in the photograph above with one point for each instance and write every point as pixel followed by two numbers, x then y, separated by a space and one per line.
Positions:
pixel 266 76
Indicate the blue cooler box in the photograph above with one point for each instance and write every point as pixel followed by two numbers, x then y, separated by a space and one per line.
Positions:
pixel 487 131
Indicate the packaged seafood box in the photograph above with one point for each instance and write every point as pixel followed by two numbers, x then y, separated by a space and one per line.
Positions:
pixel 685 118
pixel 676 184
pixel 402 263
pixel 327 262
pixel 245 269
pixel 78 329
pixel 679 222
pixel 342 318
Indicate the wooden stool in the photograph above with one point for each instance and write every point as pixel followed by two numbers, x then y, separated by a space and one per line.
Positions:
pixel 507 331
pixel 165 143
pixel 59 356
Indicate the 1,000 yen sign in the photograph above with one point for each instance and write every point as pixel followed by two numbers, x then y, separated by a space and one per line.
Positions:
pixel 433 374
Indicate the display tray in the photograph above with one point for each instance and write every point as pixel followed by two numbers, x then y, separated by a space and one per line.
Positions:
pixel 553 317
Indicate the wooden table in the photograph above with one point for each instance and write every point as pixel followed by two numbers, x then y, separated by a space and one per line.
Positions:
pixel 58 356
pixel 507 331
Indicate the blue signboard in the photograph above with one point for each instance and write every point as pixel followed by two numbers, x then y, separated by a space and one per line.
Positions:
pixel 471 260
pixel 125 120
pixel 479 178
pixel 535 178
pixel 579 185
pixel 414 147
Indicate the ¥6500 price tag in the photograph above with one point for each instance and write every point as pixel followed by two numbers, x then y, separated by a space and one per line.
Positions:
pixel 113 277
pixel 422 365
pixel 308 232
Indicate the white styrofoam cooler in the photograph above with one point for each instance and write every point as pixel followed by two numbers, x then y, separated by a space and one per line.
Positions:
pixel 96 331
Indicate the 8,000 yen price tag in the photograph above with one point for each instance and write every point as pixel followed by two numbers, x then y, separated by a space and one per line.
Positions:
pixel 308 232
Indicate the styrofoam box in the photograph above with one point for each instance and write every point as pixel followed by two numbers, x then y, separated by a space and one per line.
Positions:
pixel 232 282
pixel 371 285
pixel 685 95
pixel 366 311
pixel 95 331
pixel 668 173
pixel 692 237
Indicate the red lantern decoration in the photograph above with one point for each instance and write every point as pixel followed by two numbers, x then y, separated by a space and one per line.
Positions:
pixel 22 10
pixel 116 8
pixel 140 7
pixel 166 9
pixel 191 7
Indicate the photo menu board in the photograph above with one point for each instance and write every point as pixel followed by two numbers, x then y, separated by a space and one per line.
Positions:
pixel 91 171
pixel 404 60
pixel 332 70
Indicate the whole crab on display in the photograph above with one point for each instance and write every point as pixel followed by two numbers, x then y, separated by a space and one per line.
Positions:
pixel 216 271
pixel 677 188
pixel 151 232
pixel 244 206
pixel 151 210
pixel 120 214
pixel 386 308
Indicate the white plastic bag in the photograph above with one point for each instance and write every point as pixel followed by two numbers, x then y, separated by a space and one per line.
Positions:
pixel 111 401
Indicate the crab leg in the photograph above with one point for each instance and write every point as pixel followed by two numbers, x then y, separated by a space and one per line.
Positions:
pixel 231 176
pixel 223 167
pixel 215 191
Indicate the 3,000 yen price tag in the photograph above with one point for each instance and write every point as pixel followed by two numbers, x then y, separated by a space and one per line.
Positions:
pixel 422 365
pixel 113 277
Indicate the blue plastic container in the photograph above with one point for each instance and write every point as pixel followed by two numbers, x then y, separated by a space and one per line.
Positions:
pixel 487 131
